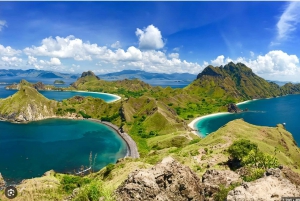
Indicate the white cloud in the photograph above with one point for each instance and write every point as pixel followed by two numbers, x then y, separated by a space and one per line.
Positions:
pixel 176 49
pixel 275 62
pixel 150 38
pixel 218 61
pixel 11 61
pixel 69 47
pixel 2 24
pixel 174 55
pixel 252 54
pixel 116 45
pixel 43 64
pixel 8 51
pixel 288 20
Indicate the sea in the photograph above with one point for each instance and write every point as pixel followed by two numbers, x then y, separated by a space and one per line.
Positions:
pixel 262 112
pixel 63 145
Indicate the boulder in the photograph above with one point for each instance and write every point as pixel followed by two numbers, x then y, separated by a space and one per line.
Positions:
pixel 212 179
pixel 168 180
pixel 271 187
pixel 233 108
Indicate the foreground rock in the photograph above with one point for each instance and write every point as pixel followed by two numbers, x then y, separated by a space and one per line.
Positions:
pixel 233 108
pixel 269 188
pixel 212 179
pixel 168 180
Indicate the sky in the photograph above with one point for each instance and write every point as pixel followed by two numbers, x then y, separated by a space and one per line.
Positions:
pixel 164 37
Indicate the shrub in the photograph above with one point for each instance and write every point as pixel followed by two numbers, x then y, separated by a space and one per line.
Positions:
pixel 194 141
pixel 84 115
pixel 254 173
pixel 70 182
pixel 221 195
pixel 241 148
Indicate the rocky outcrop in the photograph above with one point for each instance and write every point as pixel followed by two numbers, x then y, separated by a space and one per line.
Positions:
pixel 233 108
pixel 2 182
pixel 168 180
pixel 270 188
pixel 89 73
pixel 39 86
pixel 212 179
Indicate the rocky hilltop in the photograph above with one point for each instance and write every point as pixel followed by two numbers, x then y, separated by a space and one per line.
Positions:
pixel 236 81
pixel 26 105
pixel 170 180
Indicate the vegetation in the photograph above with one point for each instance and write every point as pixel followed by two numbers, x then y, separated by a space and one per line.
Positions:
pixel 156 118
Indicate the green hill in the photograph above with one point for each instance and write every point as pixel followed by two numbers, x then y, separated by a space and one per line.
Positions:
pixel 234 82
pixel 26 105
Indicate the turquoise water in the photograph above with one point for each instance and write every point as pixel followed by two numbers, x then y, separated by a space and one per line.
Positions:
pixel 60 95
pixel 29 150
pixel 264 112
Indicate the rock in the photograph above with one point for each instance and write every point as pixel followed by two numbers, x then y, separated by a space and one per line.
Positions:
pixel 233 108
pixel 2 182
pixel 290 175
pixel 168 180
pixel 39 86
pixel 212 179
pixel 89 73
pixel 271 187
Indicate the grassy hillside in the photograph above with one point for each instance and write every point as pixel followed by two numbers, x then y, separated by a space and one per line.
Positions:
pixel 199 154
pixel 26 105
pixel 233 82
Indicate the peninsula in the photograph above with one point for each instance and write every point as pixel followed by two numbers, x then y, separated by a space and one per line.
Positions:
pixel 153 121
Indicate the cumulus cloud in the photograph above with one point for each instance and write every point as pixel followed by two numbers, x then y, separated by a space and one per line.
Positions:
pixel 288 20
pixel 174 55
pixel 116 45
pixel 69 47
pixel 150 38
pixel 11 61
pixel 43 64
pixel 2 24
pixel 8 51
pixel 275 62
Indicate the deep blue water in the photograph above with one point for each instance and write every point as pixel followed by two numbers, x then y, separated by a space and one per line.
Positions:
pixel 264 112
pixel 29 150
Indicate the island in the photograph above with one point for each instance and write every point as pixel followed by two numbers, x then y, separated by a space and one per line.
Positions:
pixel 164 151
pixel 59 82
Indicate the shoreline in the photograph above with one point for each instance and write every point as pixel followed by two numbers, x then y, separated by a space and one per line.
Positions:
pixel 192 124
pixel 132 150
pixel 94 92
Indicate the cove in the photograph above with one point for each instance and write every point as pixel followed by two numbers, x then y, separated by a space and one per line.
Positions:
pixel 29 150
pixel 263 112
pixel 60 95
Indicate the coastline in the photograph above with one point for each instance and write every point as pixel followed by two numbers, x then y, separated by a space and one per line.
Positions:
pixel 132 150
pixel 192 124
pixel 116 96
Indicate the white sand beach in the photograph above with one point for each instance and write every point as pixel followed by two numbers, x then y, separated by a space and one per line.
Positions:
pixel 92 92
pixel 192 124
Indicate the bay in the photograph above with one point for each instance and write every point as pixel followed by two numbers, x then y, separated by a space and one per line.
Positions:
pixel 29 150
pixel 263 112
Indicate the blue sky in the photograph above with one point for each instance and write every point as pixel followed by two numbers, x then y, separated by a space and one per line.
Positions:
pixel 152 36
